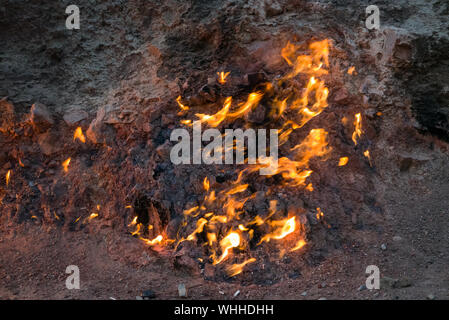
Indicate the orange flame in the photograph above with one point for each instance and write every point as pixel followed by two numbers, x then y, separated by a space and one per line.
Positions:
pixel 343 161
pixel 8 177
pixel 65 164
pixel 358 128
pixel 237 268
pixel 232 240
pixel 222 77
pixel 79 135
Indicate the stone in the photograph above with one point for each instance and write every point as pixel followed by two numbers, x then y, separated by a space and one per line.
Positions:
pixel 304 293
pixel 430 297
pixel 74 116
pixel 99 132
pixel 148 294
pixel 403 283
pixel 182 291
pixel 389 282
pixel 383 246
pixel 341 95
pixel 361 288
pixel 397 238
pixel 49 143
pixel 40 117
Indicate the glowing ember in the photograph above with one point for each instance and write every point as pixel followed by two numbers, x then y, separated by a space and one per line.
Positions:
pixel 79 135
pixel 351 70
pixel 92 216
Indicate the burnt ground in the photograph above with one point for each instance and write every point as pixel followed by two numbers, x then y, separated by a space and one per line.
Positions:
pixel 122 72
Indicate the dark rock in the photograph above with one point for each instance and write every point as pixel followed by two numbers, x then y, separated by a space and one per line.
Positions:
pixel 148 294
pixel 75 116
pixel 99 132
pixel 6 116
pixel 41 118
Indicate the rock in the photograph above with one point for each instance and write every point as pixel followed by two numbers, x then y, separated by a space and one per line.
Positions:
pixel 74 116
pixel 209 271
pixel 383 246
pixel 430 297
pixel 389 282
pixel 186 263
pixel 403 283
pixel 182 291
pixel 341 95
pixel 99 132
pixel 272 8
pixel 304 293
pixel 139 298
pixel 397 238
pixel 322 298
pixel 148 294
pixel 41 117
pixel 361 288
pixel 49 143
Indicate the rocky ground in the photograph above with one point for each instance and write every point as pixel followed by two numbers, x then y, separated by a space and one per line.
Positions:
pixel 117 78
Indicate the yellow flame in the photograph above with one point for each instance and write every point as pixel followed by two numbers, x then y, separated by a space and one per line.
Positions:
pixel 8 177
pixel 358 128
pixel 183 107
pixel 65 164
pixel 237 268
pixel 222 77
pixel 93 215
pixel 232 240
pixel 343 161
pixel 283 229
pixel 351 70
pixel 301 243
pixel 79 135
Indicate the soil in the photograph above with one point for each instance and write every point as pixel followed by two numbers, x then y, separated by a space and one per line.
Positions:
pixel 122 72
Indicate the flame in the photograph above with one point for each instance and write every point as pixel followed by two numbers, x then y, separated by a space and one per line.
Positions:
pixel 183 107
pixel 65 164
pixel 133 222
pixel 157 240
pixel 301 243
pixel 358 128
pixel 232 240
pixel 319 213
pixel 343 161
pixel 219 117
pixel 8 177
pixel 93 215
pixel 236 269
pixel 206 184
pixel 79 135
pixel 367 154
pixel 283 229
pixel 222 77
pixel 351 70
pixel 21 163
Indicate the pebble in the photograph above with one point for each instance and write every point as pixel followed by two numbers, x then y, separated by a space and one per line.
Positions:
pixel 397 238
pixel 304 293
pixel 362 287
pixel 383 246
pixel 182 291
pixel 148 294
pixel 322 298
pixel 430 297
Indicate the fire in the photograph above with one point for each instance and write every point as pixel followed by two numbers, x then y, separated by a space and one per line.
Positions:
pixel 283 229
pixel 301 243
pixel 358 128
pixel 157 240
pixel 351 70
pixel 79 135
pixel 206 184
pixel 343 161
pixel 183 107
pixel 93 215
pixel 65 164
pixel 8 177
pixel 295 98
pixel 222 77
pixel 232 240
pixel 236 269
pixel 367 154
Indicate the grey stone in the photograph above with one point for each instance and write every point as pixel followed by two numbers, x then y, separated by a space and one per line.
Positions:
pixel 40 117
